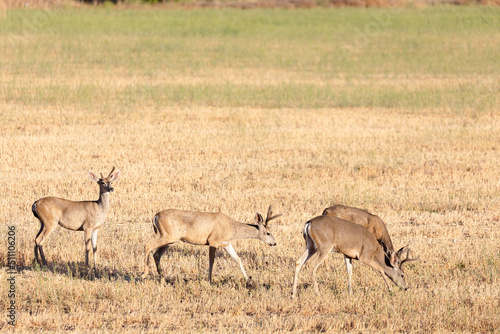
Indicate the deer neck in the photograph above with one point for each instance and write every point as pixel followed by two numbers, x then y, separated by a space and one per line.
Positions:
pixel 103 201
pixel 245 231
pixel 382 259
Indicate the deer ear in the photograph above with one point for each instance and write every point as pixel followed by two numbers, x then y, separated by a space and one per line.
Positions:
pixel 93 177
pixel 115 176
pixel 258 219
pixel 393 259
pixel 385 248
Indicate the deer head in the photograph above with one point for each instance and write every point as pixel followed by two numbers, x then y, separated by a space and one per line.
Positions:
pixel 264 231
pixel 105 182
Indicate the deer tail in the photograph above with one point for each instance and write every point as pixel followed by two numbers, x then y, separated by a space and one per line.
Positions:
pixel 33 209
pixel 155 224
pixel 307 235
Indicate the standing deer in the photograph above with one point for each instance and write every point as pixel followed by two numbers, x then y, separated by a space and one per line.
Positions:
pixel 375 225
pixel 87 216
pixel 324 234
pixel 202 228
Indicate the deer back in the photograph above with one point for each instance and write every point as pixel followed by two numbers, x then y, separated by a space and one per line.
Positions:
pixel 72 215
pixel 371 222
pixel 344 237
pixel 199 228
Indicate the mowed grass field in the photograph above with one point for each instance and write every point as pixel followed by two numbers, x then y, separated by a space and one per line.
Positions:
pixel 394 110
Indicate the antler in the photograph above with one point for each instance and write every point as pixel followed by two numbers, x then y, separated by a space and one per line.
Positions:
pixel 270 215
pixel 408 258
pixel 111 173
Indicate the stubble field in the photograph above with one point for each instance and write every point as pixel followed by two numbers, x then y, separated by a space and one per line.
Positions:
pixel 393 110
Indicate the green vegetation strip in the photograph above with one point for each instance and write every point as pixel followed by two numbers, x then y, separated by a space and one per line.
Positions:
pixel 441 57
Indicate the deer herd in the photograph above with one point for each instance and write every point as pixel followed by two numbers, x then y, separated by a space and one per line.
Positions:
pixel 355 233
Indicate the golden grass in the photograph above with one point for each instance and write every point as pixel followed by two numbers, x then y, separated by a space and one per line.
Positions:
pixel 431 174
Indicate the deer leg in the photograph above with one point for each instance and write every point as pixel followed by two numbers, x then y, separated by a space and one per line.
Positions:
pixel 230 250
pixel 211 258
pixel 45 231
pixel 37 258
pixel 88 246
pixel 310 251
pixel 42 255
pixel 93 239
pixel 348 265
pixel 321 257
pixel 157 257
pixel 152 246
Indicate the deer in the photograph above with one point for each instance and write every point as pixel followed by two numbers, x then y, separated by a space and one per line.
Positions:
pixel 324 234
pixel 375 225
pixel 86 216
pixel 215 230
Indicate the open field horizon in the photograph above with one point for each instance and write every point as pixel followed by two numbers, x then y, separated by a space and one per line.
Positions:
pixel 396 112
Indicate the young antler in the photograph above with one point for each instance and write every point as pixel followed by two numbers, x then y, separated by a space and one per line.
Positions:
pixel 407 258
pixel 111 173
pixel 270 215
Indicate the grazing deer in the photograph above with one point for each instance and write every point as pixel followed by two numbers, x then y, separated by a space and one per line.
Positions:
pixel 202 228
pixel 375 225
pixel 324 234
pixel 87 216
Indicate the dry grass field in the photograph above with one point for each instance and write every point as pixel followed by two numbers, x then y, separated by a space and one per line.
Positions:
pixel 233 111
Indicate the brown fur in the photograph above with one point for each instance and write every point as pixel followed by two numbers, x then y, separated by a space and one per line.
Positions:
pixel 204 228
pixel 87 216
pixel 375 225
pixel 371 222
pixel 324 234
